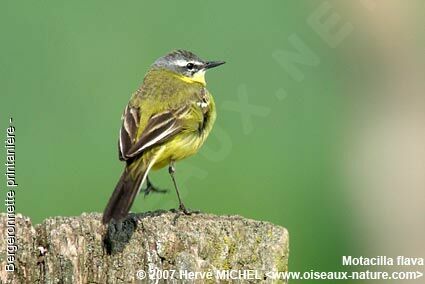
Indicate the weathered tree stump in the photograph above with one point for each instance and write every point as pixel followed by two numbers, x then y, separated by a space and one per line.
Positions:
pixel 82 250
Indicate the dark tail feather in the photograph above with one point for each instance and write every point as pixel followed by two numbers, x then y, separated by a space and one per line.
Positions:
pixel 123 196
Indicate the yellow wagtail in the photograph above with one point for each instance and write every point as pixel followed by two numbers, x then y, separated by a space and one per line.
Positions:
pixel 167 119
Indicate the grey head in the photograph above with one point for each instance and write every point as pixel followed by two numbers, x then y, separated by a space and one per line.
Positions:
pixel 185 63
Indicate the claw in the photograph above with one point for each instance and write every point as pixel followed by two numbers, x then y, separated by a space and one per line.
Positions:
pixel 183 209
pixel 151 188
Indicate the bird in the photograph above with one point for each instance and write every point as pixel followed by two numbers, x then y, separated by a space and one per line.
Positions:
pixel 167 119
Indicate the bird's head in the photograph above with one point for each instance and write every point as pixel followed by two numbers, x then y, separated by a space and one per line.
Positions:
pixel 187 64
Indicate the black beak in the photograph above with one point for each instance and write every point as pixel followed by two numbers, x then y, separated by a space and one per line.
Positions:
pixel 212 64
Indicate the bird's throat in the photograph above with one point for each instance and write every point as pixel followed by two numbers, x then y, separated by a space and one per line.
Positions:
pixel 199 77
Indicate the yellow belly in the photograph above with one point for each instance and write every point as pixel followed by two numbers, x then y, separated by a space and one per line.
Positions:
pixel 178 148
pixel 198 125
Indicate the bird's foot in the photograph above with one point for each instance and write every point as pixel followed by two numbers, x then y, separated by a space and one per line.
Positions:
pixel 151 188
pixel 183 209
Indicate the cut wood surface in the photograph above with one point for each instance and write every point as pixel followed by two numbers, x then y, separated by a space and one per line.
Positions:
pixel 82 250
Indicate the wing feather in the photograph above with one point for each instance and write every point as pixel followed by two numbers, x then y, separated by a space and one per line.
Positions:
pixel 130 124
pixel 160 128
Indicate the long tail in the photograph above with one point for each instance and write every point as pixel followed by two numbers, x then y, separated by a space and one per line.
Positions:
pixel 124 194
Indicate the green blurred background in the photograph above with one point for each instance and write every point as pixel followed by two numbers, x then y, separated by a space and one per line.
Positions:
pixel 68 69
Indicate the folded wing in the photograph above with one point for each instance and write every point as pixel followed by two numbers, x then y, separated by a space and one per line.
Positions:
pixel 160 128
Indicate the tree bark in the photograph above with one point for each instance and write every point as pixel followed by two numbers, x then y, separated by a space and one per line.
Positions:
pixel 82 250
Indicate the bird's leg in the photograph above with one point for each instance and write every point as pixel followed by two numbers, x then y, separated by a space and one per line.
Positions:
pixel 172 170
pixel 151 188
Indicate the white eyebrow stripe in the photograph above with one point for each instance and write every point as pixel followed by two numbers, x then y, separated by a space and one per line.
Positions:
pixel 183 62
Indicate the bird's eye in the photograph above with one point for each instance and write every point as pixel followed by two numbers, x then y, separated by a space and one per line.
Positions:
pixel 190 66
